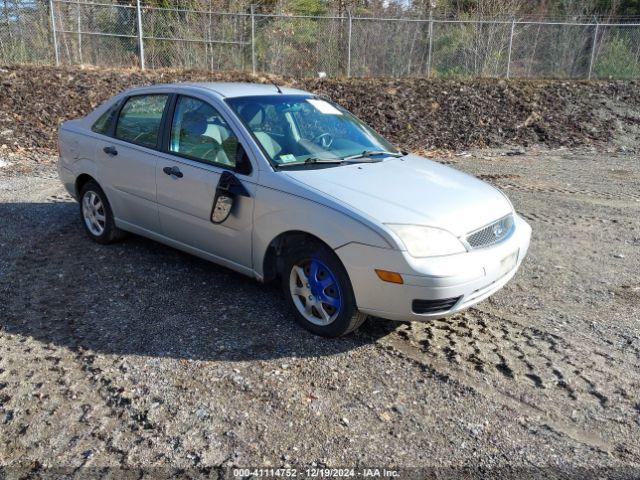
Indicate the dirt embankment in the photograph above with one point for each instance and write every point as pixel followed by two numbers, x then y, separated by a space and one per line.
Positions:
pixel 414 113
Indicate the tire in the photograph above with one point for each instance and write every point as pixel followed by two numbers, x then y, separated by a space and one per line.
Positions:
pixel 326 306
pixel 96 215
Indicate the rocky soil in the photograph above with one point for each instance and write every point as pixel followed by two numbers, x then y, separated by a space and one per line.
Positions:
pixel 137 361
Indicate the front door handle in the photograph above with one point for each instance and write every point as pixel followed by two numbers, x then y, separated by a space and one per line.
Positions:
pixel 173 171
pixel 110 151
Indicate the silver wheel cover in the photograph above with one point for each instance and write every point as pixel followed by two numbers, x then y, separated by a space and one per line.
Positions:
pixel 93 213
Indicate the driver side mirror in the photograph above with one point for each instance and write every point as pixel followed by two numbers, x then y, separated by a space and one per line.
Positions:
pixel 229 187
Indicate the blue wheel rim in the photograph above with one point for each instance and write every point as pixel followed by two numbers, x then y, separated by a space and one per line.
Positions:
pixel 315 291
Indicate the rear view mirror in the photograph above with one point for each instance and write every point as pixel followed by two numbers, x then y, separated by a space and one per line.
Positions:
pixel 229 187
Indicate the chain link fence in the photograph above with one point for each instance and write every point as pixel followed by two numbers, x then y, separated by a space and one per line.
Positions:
pixel 71 32
pixel 25 35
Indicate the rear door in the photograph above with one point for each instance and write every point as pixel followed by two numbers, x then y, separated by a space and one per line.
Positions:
pixel 200 147
pixel 128 161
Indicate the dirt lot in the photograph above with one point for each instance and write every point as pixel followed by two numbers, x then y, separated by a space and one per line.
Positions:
pixel 139 357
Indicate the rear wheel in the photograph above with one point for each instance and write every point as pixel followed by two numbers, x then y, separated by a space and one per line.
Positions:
pixel 318 289
pixel 96 214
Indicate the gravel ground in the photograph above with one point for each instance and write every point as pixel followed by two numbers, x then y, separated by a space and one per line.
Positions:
pixel 138 361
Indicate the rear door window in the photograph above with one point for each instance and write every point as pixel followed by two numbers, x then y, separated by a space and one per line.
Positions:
pixel 140 119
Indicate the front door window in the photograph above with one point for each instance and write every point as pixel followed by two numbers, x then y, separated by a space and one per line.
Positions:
pixel 199 132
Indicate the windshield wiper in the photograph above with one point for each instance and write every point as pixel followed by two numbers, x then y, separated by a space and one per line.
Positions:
pixel 311 161
pixel 371 153
pixel 360 157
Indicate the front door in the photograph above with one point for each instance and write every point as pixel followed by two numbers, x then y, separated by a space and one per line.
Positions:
pixel 201 147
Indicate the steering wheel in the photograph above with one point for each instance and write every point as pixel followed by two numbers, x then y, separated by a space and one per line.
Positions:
pixel 324 140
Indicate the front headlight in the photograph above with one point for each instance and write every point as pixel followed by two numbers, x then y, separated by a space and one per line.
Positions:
pixel 427 241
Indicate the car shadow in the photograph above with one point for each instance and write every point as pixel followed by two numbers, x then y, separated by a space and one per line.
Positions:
pixel 139 297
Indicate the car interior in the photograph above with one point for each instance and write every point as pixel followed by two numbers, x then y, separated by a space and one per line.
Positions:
pixel 202 134
pixel 295 131
pixel 291 130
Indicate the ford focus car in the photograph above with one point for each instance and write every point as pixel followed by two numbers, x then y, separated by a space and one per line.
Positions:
pixel 278 183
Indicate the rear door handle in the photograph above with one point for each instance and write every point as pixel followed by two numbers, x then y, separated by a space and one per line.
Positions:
pixel 110 151
pixel 173 171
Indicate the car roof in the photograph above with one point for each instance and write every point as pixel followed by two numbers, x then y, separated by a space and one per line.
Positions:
pixel 227 89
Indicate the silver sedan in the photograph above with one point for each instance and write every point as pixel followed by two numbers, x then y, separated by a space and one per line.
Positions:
pixel 278 183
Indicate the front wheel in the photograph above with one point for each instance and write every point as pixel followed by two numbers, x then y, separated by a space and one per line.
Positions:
pixel 318 289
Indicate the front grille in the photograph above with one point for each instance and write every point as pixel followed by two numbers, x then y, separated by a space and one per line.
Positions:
pixel 491 234
pixel 433 306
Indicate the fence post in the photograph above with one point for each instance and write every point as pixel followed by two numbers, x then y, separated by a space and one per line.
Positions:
pixel 593 48
pixel 430 41
pixel 53 32
pixel 349 45
pixel 253 40
pixel 513 26
pixel 79 32
pixel 140 40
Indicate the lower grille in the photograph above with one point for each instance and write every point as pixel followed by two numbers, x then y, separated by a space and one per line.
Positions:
pixel 433 306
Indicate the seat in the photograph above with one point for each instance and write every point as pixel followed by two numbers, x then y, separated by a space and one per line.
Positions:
pixel 193 141
pixel 253 115
pixel 272 147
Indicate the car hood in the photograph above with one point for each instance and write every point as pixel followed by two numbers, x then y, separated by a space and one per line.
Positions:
pixel 410 190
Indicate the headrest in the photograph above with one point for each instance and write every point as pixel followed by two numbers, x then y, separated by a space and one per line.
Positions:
pixel 194 123
pixel 252 113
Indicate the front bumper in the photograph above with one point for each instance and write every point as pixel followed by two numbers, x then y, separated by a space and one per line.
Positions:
pixel 471 276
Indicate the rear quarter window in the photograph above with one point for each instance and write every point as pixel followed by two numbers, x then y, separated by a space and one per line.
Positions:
pixel 105 123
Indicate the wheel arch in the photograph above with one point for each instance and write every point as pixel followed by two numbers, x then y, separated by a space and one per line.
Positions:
pixel 277 248
pixel 81 181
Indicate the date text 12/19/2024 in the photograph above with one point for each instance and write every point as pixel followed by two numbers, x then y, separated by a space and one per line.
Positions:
pixel 315 472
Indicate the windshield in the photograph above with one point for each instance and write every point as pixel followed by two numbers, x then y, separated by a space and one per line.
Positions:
pixel 296 129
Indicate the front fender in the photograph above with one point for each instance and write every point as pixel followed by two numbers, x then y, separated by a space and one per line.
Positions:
pixel 277 212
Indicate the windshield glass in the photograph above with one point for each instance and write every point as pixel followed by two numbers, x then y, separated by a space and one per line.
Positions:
pixel 297 128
